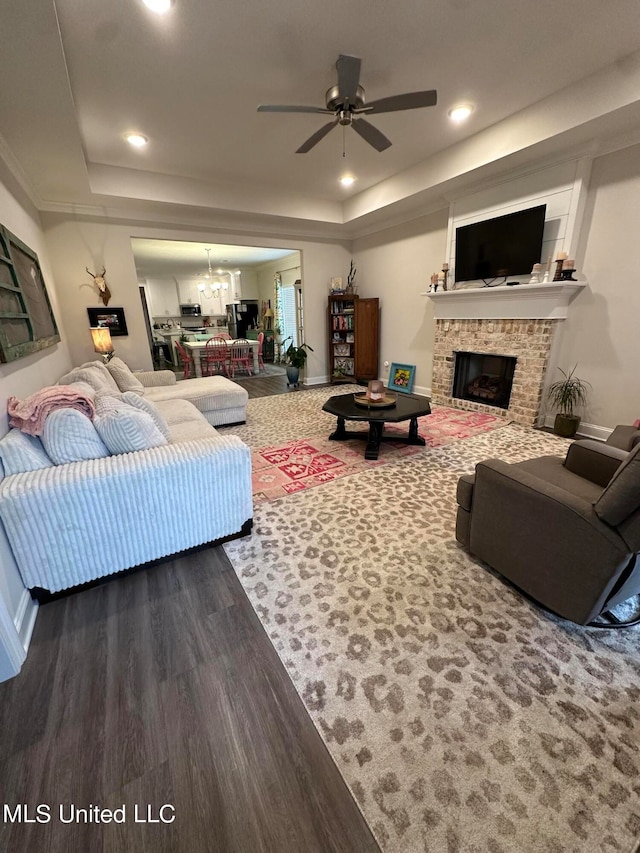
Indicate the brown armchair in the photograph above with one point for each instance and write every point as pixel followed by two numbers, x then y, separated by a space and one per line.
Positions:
pixel 566 533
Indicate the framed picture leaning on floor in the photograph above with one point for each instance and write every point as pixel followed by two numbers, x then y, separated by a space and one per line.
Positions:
pixel 401 377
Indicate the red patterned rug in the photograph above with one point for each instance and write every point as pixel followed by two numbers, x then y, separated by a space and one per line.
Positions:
pixel 303 463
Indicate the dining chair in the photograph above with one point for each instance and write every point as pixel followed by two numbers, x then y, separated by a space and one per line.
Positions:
pixel 260 358
pixel 215 356
pixel 240 356
pixel 224 335
pixel 187 360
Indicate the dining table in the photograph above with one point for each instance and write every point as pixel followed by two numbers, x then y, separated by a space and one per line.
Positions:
pixel 197 349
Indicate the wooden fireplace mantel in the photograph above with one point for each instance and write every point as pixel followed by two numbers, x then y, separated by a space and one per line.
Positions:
pixel 517 302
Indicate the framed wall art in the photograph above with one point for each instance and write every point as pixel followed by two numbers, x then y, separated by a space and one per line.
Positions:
pixel 401 377
pixel 27 324
pixel 112 318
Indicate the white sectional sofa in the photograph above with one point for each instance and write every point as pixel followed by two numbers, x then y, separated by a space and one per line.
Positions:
pixel 72 523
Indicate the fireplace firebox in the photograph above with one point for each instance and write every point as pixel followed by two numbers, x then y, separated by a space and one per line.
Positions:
pixel 483 378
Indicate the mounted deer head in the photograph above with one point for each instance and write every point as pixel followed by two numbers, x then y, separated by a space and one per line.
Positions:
pixel 101 284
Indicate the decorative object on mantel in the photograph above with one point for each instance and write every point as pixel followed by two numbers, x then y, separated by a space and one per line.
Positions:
pixel 568 269
pixel 561 257
pixel 103 291
pixel 535 274
pixel 568 394
pixel 547 272
pixel 445 273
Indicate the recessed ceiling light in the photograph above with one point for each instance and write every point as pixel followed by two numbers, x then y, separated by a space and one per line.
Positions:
pixel 460 112
pixel 347 180
pixel 160 7
pixel 136 139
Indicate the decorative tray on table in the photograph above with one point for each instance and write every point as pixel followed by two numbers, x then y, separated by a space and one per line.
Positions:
pixel 387 401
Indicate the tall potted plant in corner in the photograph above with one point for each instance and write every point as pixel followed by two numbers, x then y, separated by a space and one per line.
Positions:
pixel 568 394
pixel 295 358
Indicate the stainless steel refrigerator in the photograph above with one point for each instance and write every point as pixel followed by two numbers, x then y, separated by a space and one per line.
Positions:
pixel 242 316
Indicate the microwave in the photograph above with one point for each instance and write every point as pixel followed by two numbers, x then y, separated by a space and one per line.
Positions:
pixel 191 310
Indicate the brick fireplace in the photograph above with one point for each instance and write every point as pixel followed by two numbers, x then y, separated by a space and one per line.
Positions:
pixel 522 322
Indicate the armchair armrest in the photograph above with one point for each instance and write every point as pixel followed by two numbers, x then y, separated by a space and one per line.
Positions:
pixel 625 437
pixel 544 539
pixel 594 460
pixel 156 378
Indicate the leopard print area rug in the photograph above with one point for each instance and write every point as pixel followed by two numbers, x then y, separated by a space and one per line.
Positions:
pixel 462 717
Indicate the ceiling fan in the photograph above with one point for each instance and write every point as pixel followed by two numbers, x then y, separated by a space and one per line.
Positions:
pixel 346 102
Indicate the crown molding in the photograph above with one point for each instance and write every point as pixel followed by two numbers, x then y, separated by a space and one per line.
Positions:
pixel 17 172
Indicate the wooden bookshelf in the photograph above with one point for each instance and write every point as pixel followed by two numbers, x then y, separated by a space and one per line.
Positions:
pixel 353 338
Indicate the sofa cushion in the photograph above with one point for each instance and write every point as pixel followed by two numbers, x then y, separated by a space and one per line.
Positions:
pixel 22 452
pixel 622 495
pixel 69 436
pixel 219 399
pixel 123 376
pixel 150 408
pixel 94 373
pixel 125 429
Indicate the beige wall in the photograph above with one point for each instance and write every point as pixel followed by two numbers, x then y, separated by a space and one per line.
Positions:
pixel 75 242
pixel 396 266
pixel 601 333
pixel 24 376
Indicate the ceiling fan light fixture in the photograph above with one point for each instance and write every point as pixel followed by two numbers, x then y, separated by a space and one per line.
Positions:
pixel 160 7
pixel 460 112
pixel 347 180
pixel 136 139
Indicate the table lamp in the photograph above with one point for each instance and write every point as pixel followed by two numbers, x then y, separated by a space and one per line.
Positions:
pixel 102 342
pixel 268 317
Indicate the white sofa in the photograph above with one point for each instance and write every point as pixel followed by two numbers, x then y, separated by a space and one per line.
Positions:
pixel 73 523
pixel 221 401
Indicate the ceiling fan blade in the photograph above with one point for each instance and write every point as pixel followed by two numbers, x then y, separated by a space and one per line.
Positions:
pixel 408 101
pixel 370 134
pixel 317 136
pixel 348 78
pixel 290 108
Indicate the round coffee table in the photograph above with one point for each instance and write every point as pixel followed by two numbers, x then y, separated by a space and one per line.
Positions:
pixel 409 407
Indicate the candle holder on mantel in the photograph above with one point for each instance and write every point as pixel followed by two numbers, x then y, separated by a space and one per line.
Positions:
pixel 558 273
pixel 445 273
pixel 567 275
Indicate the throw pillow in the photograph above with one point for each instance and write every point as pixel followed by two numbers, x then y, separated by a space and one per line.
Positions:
pixel 125 429
pixel 125 379
pixel 94 373
pixel 22 452
pixel 69 436
pixel 150 408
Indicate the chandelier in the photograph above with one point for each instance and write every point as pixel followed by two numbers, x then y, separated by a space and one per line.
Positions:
pixel 212 288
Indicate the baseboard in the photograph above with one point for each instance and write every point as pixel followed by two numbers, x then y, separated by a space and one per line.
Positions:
pixel 25 618
pixel 584 430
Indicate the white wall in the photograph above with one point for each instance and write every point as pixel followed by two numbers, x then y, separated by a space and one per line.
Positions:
pixel 395 265
pixel 20 379
pixel 601 333
pixel 75 242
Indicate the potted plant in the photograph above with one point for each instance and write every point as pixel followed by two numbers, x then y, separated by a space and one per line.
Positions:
pixel 568 394
pixel 295 359
pixel 277 334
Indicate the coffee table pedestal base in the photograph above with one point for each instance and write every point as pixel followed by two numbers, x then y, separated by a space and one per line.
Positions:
pixel 375 436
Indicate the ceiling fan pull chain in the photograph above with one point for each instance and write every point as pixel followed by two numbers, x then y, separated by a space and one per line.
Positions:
pixel 344 153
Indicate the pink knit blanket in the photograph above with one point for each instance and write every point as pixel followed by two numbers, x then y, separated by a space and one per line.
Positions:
pixel 29 415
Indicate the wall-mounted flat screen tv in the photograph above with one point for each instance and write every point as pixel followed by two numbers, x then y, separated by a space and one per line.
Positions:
pixel 500 247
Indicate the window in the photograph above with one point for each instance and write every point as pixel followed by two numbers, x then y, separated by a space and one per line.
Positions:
pixel 288 312
pixel 27 323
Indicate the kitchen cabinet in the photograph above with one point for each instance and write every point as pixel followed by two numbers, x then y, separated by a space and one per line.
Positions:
pixel 163 298
pixel 189 293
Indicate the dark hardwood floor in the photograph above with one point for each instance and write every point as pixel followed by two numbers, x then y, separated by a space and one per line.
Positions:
pixel 161 687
